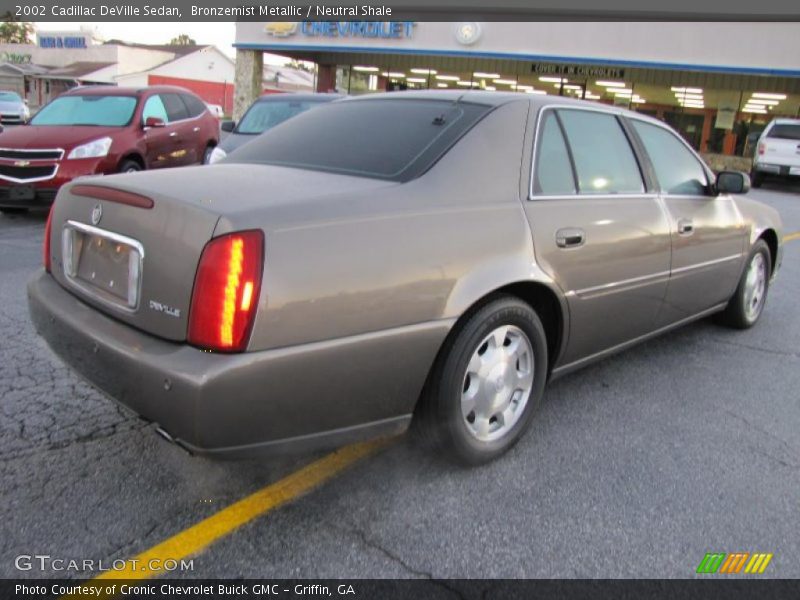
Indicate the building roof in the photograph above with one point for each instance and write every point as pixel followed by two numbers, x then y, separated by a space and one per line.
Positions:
pixel 78 70
pixel 176 49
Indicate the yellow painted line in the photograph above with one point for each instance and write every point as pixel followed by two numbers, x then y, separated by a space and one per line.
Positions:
pixel 791 236
pixel 197 537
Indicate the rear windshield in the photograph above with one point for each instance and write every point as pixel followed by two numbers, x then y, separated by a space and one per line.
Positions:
pixel 108 111
pixel 785 131
pixel 387 139
pixel 265 115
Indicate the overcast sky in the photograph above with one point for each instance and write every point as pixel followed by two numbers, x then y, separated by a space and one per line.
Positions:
pixel 219 34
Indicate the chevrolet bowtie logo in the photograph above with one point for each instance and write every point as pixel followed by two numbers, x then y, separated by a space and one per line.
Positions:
pixel 280 29
pixel 21 163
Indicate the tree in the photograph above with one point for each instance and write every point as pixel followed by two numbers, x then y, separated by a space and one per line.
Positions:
pixel 182 40
pixel 15 32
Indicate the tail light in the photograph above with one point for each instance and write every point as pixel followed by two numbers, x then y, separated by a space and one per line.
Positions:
pixel 761 149
pixel 46 245
pixel 226 290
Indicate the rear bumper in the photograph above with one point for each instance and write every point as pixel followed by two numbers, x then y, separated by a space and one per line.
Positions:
pixel 291 399
pixel 776 169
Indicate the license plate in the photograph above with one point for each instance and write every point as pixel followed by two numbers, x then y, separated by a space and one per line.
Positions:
pixel 103 263
pixel 794 171
pixel 21 192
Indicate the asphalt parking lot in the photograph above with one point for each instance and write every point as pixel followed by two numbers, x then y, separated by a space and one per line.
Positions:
pixel 636 467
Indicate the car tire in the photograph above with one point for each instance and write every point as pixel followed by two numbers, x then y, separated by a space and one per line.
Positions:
pixel 747 303
pixel 129 166
pixel 207 154
pixel 491 369
pixel 13 211
pixel 756 179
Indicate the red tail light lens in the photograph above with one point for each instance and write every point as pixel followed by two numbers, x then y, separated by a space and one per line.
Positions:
pixel 226 291
pixel 761 148
pixel 46 245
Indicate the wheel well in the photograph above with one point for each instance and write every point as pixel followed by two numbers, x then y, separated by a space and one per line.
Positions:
pixel 771 238
pixel 542 299
pixel 211 144
pixel 135 158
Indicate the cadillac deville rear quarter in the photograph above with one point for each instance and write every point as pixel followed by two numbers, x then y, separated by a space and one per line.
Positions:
pixel 433 255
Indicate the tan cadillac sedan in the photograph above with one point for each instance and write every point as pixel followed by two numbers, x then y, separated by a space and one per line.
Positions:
pixel 428 255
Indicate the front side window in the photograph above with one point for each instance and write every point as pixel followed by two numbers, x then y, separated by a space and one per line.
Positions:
pixel 677 169
pixel 604 160
pixel 154 107
pixel 100 111
pixel 552 174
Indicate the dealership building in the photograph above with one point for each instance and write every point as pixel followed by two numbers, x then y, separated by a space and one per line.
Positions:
pixel 717 83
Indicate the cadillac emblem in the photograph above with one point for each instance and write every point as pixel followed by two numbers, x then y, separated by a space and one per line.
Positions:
pixel 97 214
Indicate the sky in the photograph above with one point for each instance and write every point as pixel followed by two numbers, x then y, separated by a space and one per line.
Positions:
pixel 219 34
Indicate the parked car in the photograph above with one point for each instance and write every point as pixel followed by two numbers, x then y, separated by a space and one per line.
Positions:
pixel 99 131
pixel 13 109
pixel 434 254
pixel 265 113
pixel 778 151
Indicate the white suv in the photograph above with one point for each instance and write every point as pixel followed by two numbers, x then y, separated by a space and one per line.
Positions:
pixel 778 151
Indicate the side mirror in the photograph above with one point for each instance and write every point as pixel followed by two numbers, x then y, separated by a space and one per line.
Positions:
pixel 227 126
pixel 733 182
pixel 154 122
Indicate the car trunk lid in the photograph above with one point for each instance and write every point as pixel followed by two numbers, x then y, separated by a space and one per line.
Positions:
pixel 130 244
pixel 781 146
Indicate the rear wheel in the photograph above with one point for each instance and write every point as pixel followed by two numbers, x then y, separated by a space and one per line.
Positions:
pixel 207 154
pixel 129 166
pixel 747 303
pixel 487 384
pixel 756 179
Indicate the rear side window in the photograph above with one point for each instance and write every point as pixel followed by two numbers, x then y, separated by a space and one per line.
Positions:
pixel 176 109
pixel 194 105
pixel 677 170
pixel 552 174
pixel 387 139
pixel 784 131
pixel 604 160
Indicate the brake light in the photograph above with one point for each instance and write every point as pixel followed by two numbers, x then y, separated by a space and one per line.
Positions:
pixel 226 289
pixel 761 148
pixel 46 245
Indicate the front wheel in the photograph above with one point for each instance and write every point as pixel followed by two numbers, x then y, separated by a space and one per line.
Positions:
pixel 747 303
pixel 207 154
pixel 129 166
pixel 487 383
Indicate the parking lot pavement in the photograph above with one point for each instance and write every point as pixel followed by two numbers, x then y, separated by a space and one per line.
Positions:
pixel 636 467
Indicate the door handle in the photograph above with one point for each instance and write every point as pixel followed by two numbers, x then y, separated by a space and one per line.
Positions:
pixel 196 129
pixel 570 237
pixel 173 134
pixel 685 227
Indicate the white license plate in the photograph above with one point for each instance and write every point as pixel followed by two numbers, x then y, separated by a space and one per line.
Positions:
pixel 794 170
pixel 105 264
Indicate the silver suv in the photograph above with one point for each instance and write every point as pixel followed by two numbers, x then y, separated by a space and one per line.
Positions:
pixel 778 151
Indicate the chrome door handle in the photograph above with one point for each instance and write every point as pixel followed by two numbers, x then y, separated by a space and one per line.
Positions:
pixel 196 129
pixel 570 237
pixel 173 134
pixel 685 227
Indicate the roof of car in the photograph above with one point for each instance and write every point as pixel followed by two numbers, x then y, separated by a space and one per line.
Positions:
pixel 113 90
pixel 288 97
pixel 498 99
